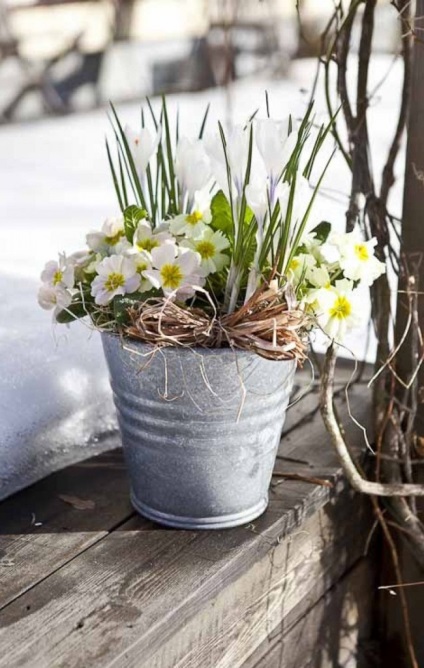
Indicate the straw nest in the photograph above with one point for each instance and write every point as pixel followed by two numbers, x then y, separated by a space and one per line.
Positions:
pixel 264 325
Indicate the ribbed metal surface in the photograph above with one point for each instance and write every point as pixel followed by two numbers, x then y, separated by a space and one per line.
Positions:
pixel 200 430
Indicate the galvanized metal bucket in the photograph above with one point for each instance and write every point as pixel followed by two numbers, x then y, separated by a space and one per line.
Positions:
pixel 200 430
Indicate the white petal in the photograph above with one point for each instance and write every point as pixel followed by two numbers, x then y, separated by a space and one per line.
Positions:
pixel 164 254
pixel 188 260
pixel 153 275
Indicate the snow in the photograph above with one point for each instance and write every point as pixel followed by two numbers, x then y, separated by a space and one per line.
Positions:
pixel 55 402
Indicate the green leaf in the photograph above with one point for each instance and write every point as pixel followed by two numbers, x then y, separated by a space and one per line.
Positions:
pixel 132 216
pixel 74 311
pixel 322 231
pixel 121 304
pixel 221 214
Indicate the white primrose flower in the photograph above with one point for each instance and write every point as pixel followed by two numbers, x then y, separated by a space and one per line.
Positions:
pixel 117 275
pixel 191 224
pixel 357 258
pixel 319 277
pixel 210 246
pixel 110 239
pixel 337 309
pixel 276 145
pixel 145 238
pixel 300 267
pixel 175 270
pixel 59 274
pixel 192 166
pixel 315 247
pixel 54 296
pixel 143 261
pixel 142 145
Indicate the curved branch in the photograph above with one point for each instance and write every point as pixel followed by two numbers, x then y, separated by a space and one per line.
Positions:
pixel 350 469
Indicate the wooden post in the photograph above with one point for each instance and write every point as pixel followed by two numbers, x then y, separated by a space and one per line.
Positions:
pixel 413 210
pixel 392 625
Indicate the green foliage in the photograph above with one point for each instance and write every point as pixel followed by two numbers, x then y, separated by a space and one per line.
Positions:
pixel 221 214
pixel 121 304
pixel 74 311
pixel 322 231
pixel 132 216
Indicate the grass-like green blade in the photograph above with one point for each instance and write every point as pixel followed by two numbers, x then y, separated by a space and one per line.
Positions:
pixel 203 124
pixel 123 184
pixel 173 199
pixel 114 178
pixel 126 152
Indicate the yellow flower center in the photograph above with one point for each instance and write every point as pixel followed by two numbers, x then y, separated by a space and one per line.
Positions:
pixel 112 241
pixel 141 266
pixel 171 276
pixel 147 244
pixel 57 277
pixel 341 309
pixel 294 264
pixel 114 281
pixel 361 252
pixel 194 218
pixel 206 249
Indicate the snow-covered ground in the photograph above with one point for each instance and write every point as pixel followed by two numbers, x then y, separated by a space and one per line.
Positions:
pixel 55 403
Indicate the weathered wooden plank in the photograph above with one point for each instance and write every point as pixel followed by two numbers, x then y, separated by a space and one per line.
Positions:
pixel 339 630
pixel 40 532
pixel 123 601
pixel 152 598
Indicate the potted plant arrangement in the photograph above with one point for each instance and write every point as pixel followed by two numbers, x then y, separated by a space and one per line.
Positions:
pixel 204 289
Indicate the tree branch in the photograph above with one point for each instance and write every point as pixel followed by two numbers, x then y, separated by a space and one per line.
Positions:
pixel 350 469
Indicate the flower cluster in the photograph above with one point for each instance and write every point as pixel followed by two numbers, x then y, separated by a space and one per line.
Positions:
pixel 174 259
pixel 213 220
pixel 327 272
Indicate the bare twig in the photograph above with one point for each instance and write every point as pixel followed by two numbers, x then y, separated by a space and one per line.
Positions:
pixel 350 469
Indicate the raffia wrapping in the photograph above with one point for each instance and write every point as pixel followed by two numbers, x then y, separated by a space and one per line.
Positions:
pixel 264 325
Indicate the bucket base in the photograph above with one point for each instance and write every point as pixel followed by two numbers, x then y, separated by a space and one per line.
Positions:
pixel 218 522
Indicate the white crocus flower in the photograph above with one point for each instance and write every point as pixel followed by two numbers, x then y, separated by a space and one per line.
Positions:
pixel 175 270
pixel 337 309
pixel 142 145
pixel 357 259
pixel 145 238
pixel 110 240
pixel 192 167
pixel 117 275
pixel 59 274
pixel 301 199
pixel 54 297
pixel 237 151
pixel 276 145
pixel 257 199
pixel 210 246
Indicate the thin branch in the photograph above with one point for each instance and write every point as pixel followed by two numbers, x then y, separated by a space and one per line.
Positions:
pixel 350 469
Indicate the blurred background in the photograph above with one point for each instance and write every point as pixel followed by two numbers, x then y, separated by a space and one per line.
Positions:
pixel 61 62
pixel 62 56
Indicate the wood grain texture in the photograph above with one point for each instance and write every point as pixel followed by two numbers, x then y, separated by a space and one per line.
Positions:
pixel 339 630
pixel 39 532
pixel 158 598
